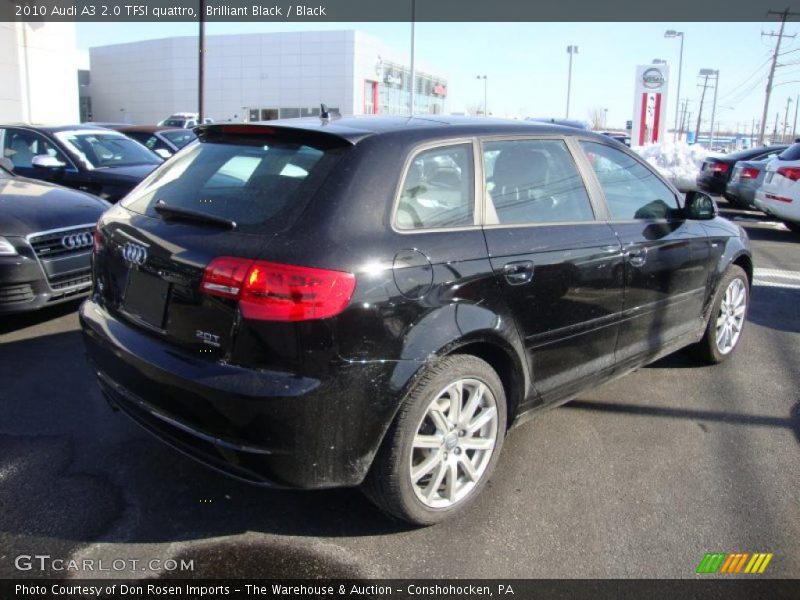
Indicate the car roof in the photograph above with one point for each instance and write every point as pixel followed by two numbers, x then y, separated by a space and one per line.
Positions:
pixel 356 128
pixel 143 128
pixel 56 128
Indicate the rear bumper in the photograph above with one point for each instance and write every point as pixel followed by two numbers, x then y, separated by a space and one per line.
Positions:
pixel 713 185
pixel 24 287
pixel 786 211
pixel 743 194
pixel 266 427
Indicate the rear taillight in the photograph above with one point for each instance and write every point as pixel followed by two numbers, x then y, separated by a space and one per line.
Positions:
pixel 98 238
pixel 749 173
pixel 719 167
pixel 275 292
pixel 792 173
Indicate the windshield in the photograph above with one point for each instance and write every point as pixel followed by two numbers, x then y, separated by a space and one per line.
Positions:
pixel 254 185
pixel 180 137
pixel 107 149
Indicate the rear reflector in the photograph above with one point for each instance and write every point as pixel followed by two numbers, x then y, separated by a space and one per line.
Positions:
pixel 719 167
pixel 779 198
pixel 749 173
pixel 275 292
pixel 792 173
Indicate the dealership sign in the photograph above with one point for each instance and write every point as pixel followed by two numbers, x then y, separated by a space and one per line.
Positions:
pixel 650 104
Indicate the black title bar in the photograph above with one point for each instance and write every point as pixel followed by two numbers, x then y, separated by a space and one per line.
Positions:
pixel 393 10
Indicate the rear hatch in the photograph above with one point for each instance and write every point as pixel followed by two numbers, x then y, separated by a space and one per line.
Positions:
pixel 228 196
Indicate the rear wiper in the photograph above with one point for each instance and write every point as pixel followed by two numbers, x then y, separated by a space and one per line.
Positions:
pixel 185 214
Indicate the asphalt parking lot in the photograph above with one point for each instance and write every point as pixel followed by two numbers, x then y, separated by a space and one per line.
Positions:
pixel 638 478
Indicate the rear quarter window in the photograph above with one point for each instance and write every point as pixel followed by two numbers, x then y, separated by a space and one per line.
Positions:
pixel 258 186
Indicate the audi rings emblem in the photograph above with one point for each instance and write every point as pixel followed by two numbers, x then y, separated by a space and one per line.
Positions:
pixel 77 240
pixel 134 253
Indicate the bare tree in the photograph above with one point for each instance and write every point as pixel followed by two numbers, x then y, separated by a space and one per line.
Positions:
pixel 597 118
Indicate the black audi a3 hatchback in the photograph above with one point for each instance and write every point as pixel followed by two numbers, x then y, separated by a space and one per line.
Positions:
pixel 374 301
pixel 46 237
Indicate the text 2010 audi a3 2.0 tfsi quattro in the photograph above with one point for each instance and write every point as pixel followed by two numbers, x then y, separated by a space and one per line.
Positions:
pixel 374 301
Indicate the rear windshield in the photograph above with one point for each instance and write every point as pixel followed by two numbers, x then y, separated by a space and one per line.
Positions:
pixel 791 153
pixel 180 137
pixel 258 186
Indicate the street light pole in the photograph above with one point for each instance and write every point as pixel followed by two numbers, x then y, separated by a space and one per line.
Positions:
pixel 713 110
pixel 671 34
pixel 786 120
pixel 570 50
pixel 413 52
pixel 485 94
pixel 201 63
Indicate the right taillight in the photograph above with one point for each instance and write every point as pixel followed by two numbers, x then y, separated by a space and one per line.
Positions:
pixel 719 167
pixel 749 173
pixel 792 173
pixel 277 292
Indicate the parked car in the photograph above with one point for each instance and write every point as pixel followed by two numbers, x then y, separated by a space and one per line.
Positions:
pixel 373 301
pixel 779 194
pixel 45 242
pixel 184 120
pixel 88 158
pixel 622 138
pixel 164 141
pixel 747 177
pixel 716 170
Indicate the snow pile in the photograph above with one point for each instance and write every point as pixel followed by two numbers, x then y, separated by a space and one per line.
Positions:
pixel 677 161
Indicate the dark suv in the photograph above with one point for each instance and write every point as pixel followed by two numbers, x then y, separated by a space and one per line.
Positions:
pixel 375 300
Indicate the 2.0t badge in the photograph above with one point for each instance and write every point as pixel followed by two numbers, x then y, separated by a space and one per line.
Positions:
pixel 134 253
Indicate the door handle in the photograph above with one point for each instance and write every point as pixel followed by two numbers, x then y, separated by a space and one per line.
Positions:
pixel 637 257
pixel 518 272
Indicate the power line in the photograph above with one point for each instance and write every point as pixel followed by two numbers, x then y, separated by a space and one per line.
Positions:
pixel 780 35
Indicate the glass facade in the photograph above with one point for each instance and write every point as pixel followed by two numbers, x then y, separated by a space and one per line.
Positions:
pixel 393 91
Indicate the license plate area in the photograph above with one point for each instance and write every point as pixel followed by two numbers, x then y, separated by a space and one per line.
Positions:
pixel 146 298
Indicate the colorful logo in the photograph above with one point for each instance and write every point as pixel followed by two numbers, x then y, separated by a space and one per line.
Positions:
pixel 739 562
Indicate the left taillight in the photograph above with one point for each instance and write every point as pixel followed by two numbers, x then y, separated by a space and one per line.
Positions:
pixel 719 167
pixel 749 173
pixel 276 292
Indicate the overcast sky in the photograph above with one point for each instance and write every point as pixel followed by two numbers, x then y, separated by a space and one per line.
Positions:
pixel 526 63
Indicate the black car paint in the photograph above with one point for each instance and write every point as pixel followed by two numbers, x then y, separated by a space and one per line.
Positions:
pixel 307 404
pixel 109 183
pixel 715 182
pixel 27 207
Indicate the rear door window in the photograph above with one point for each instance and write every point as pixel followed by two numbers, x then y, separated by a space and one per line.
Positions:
pixel 533 181
pixel 254 185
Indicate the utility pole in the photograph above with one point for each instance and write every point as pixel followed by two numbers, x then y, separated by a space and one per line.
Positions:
pixel 700 111
pixel 786 120
pixel 794 128
pixel 784 15
pixel 775 129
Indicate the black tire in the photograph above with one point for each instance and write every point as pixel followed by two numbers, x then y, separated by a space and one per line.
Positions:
pixel 793 227
pixel 389 483
pixel 707 349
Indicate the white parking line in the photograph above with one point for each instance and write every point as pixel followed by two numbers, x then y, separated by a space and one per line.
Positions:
pixel 777 278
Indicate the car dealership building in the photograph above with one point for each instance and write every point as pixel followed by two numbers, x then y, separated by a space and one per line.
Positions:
pixel 259 76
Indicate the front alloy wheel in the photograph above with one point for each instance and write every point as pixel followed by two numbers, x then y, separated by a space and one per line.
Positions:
pixel 730 319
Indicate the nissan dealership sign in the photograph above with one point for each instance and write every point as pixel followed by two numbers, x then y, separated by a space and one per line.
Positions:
pixel 650 105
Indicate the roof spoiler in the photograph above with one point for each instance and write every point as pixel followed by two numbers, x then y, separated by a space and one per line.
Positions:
pixel 216 132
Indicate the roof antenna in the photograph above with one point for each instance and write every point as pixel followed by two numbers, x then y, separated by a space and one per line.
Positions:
pixel 323 112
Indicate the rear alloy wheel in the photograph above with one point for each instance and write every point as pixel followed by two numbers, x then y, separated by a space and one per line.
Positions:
pixel 443 444
pixel 727 319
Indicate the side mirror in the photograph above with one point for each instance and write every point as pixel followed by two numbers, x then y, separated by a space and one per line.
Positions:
pixel 163 153
pixel 700 207
pixel 6 164
pixel 45 161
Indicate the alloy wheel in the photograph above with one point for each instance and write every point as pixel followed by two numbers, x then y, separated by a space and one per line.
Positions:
pixel 454 442
pixel 731 316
